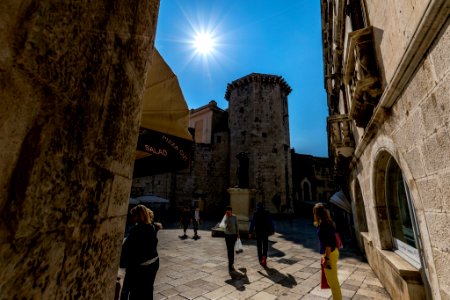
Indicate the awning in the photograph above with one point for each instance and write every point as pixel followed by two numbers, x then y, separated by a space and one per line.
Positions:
pixel 164 143
pixel 340 200
pixel 133 201
pixel 151 199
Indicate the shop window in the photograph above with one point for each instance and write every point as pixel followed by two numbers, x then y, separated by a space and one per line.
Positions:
pixel 400 213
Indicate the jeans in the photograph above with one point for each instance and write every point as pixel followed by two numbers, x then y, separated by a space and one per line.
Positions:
pixel 141 280
pixel 230 240
pixel 262 244
pixel 332 275
pixel 195 225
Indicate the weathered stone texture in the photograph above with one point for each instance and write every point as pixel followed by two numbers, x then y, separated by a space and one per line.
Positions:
pixel 71 80
pixel 434 147
pixel 259 126
pixel 429 189
pixel 396 21
pixel 415 162
pixel 442 261
pixel 438 230
pixel 418 126
pixel 410 124
pixel 439 53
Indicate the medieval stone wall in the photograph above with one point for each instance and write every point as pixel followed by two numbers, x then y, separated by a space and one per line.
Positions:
pixel 206 178
pixel 72 75
pixel 259 126
pixel 416 134
pixel 397 95
pixel 314 174
pixel 395 22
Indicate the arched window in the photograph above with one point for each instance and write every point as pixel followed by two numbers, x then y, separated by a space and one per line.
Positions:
pixel 400 212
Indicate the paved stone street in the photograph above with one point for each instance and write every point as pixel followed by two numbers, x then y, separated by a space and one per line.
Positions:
pixel 197 269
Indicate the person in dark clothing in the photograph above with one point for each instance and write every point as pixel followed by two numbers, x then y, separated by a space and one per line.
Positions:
pixel 141 256
pixel 196 222
pixel 185 220
pixel 326 232
pixel 262 226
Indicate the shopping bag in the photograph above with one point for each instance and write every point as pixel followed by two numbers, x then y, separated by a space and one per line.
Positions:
pixel 222 223
pixel 339 244
pixel 238 246
pixel 323 280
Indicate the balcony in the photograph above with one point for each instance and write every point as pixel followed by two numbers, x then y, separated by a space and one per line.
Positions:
pixel 361 75
pixel 341 142
pixel 340 135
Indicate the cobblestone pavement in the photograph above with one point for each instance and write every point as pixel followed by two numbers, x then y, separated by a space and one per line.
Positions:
pixel 197 269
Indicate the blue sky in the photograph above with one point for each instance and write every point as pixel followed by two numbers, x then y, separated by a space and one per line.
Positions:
pixel 280 37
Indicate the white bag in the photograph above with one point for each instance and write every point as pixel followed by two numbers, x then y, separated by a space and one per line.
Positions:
pixel 238 246
pixel 222 224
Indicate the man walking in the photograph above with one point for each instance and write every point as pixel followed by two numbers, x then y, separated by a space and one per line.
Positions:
pixel 231 235
pixel 196 222
pixel 185 220
pixel 262 226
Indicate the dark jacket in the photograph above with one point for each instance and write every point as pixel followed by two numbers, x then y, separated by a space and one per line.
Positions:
pixel 261 223
pixel 327 236
pixel 140 246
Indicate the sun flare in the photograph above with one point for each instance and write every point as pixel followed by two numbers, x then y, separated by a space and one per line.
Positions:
pixel 204 43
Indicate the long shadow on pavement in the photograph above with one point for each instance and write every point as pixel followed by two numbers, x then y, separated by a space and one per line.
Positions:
pixel 302 231
pixel 285 280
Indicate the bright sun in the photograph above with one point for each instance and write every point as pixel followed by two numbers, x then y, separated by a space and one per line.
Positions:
pixel 204 43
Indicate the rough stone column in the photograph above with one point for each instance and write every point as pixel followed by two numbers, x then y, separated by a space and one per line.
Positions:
pixel 72 75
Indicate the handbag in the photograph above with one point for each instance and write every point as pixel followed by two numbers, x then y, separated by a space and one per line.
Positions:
pixel 339 244
pixel 323 279
pixel 238 248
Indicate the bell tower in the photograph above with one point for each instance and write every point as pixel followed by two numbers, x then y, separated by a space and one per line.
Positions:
pixel 259 127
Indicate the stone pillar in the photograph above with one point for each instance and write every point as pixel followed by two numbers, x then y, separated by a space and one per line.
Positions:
pixel 242 201
pixel 72 75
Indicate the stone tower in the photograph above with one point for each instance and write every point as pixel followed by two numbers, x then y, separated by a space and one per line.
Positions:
pixel 259 126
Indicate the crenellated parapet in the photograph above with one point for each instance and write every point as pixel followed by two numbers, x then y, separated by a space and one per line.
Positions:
pixel 260 78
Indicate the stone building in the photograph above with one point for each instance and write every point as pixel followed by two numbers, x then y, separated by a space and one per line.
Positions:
pixel 259 126
pixel 387 77
pixel 206 182
pixel 256 123
pixel 312 181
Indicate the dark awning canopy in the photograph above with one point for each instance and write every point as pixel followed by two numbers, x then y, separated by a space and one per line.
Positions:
pixel 340 200
pixel 164 143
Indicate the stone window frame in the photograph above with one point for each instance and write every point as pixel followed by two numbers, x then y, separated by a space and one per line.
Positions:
pixel 381 210
pixel 359 208
pixel 302 184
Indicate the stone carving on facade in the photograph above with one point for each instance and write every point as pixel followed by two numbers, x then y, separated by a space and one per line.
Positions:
pixel 361 76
